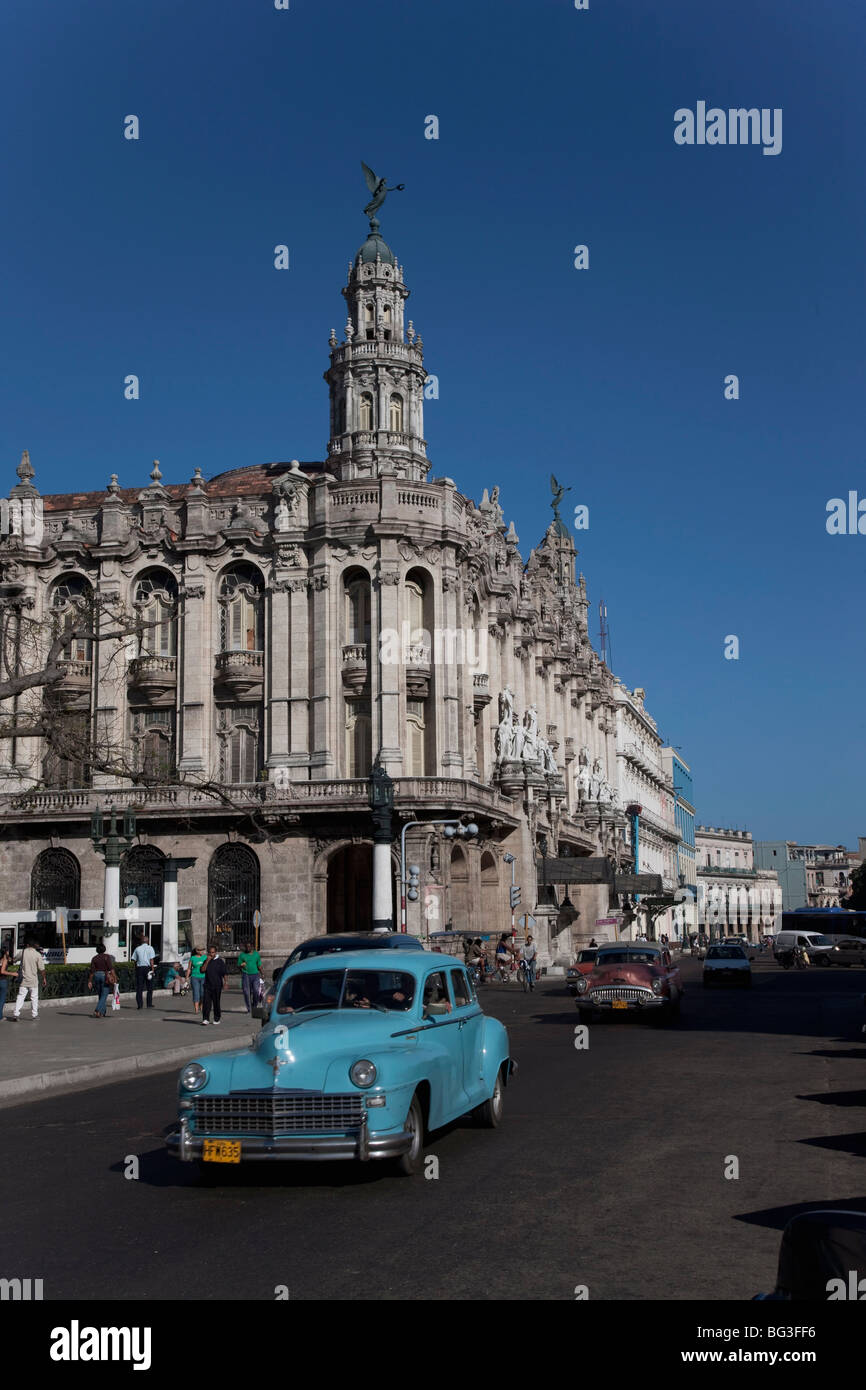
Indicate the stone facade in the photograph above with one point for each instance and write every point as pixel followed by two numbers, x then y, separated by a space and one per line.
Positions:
pixel 305 618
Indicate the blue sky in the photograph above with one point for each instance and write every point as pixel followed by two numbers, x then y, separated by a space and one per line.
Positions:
pixel 707 516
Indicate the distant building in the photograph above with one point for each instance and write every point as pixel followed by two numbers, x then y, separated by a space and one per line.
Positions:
pixel 684 814
pixel 773 854
pixel 811 875
pixel 643 779
pixel 735 896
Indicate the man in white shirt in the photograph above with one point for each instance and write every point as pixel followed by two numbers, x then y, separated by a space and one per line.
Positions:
pixel 144 956
pixel 32 966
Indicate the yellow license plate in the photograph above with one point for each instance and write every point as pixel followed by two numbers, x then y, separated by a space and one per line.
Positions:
pixel 619 1003
pixel 221 1151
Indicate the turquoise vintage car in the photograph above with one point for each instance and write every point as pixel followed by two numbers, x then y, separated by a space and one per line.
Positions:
pixel 359 1057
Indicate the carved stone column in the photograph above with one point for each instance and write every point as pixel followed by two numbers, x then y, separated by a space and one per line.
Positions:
pixel 196 679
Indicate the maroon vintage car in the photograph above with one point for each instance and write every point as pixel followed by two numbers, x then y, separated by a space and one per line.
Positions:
pixel 582 966
pixel 631 977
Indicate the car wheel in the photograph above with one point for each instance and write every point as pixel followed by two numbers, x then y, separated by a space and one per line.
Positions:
pixel 489 1114
pixel 412 1161
pixel 823 960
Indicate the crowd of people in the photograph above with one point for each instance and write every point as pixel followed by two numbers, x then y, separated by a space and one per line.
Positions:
pixel 508 956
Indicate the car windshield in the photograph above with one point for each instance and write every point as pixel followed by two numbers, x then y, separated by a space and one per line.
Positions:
pixel 726 953
pixel 348 989
pixel 629 957
pixel 584 956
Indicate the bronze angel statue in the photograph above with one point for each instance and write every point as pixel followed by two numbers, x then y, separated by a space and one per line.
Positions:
pixel 558 492
pixel 379 189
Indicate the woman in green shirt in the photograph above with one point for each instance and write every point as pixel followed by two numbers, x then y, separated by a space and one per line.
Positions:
pixel 195 975
pixel 250 966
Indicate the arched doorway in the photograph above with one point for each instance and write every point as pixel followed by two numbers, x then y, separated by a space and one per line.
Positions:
pixel 492 918
pixel 233 895
pixel 55 881
pixel 459 915
pixel 350 889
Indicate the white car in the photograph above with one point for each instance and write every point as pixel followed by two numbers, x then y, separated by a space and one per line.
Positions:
pixel 727 965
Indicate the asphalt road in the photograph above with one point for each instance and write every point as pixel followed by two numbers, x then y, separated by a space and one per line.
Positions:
pixel 608 1170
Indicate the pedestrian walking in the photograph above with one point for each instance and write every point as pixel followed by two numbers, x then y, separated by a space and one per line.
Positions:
pixel 195 975
pixel 144 956
pixel 102 978
pixel 32 966
pixel 250 966
pixel 214 980
pixel 5 974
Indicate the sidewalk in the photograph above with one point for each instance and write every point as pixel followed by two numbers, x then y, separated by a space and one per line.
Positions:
pixel 66 1048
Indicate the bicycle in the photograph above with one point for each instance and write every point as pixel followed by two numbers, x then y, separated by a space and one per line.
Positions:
pixel 525 976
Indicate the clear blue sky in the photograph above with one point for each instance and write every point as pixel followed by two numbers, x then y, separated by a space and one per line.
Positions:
pixel 707 517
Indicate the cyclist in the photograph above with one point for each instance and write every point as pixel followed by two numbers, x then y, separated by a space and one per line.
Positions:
pixel 528 955
pixel 504 954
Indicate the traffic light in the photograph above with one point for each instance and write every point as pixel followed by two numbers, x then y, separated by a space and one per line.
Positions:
pixel 514 894
pixel 414 880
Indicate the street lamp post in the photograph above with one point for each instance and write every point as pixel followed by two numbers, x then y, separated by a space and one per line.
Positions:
pixel 112 846
pixel 453 827
pixel 382 806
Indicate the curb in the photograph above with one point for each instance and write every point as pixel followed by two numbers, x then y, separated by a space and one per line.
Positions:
pixel 22 1089
pixel 73 999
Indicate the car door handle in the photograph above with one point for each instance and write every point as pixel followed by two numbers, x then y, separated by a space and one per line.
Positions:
pixel 461 1023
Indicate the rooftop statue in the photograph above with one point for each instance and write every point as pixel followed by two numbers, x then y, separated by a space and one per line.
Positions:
pixel 379 190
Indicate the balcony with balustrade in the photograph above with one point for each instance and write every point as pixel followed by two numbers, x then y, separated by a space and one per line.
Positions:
pixel 240 675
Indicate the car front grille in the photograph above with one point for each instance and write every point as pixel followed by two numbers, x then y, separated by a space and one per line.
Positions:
pixel 309 1112
pixel 632 994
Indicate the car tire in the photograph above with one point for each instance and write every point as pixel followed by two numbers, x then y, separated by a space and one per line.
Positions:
pixel 489 1114
pixel 412 1161
pixel 822 960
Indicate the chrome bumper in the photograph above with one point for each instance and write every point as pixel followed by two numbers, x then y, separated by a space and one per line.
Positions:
pixel 600 1006
pixel 306 1147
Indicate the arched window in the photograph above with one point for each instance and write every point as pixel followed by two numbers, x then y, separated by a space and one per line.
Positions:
pixel 233 895
pixel 369 312
pixel 395 412
pixel 242 610
pixel 386 322
pixel 155 603
pixel 359 738
pixel 142 876
pixel 365 413
pixel 71 596
pixel 55 881
pixel 357 591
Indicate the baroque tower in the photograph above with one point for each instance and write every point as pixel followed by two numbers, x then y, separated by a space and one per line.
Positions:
pixel 376 377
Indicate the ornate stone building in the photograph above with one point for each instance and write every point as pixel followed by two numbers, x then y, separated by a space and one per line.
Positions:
pixel 303 619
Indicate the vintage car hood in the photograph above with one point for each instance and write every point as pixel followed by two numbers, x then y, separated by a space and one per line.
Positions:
pixel 630 974
pixel 312 1043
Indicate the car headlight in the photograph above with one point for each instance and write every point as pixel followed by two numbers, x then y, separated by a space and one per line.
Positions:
pixel 658 985
pixel 362 1073
pixel 193 1077
pixel 582 985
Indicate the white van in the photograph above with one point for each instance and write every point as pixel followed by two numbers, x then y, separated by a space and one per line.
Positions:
pixel 819 947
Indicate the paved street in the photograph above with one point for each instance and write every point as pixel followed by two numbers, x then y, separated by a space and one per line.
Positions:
pixel 608 1170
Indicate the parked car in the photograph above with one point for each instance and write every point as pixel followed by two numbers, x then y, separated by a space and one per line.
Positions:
pixel 850 950
pixel 727 964
pixel 820 949
pixel 631 977
pixel 358 1058
pixel 582 966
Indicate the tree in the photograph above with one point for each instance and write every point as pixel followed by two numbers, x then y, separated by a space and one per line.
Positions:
pixel 857 890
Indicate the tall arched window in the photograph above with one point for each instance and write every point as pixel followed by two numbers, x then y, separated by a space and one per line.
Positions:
pixel 365 411
pixel 242 610
pixel 357 612
pixel 142 876
pixel 155 603
pixel 55 881
pixel 395 412
pixel 73 595
pixel 239 730
pixel 233 894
